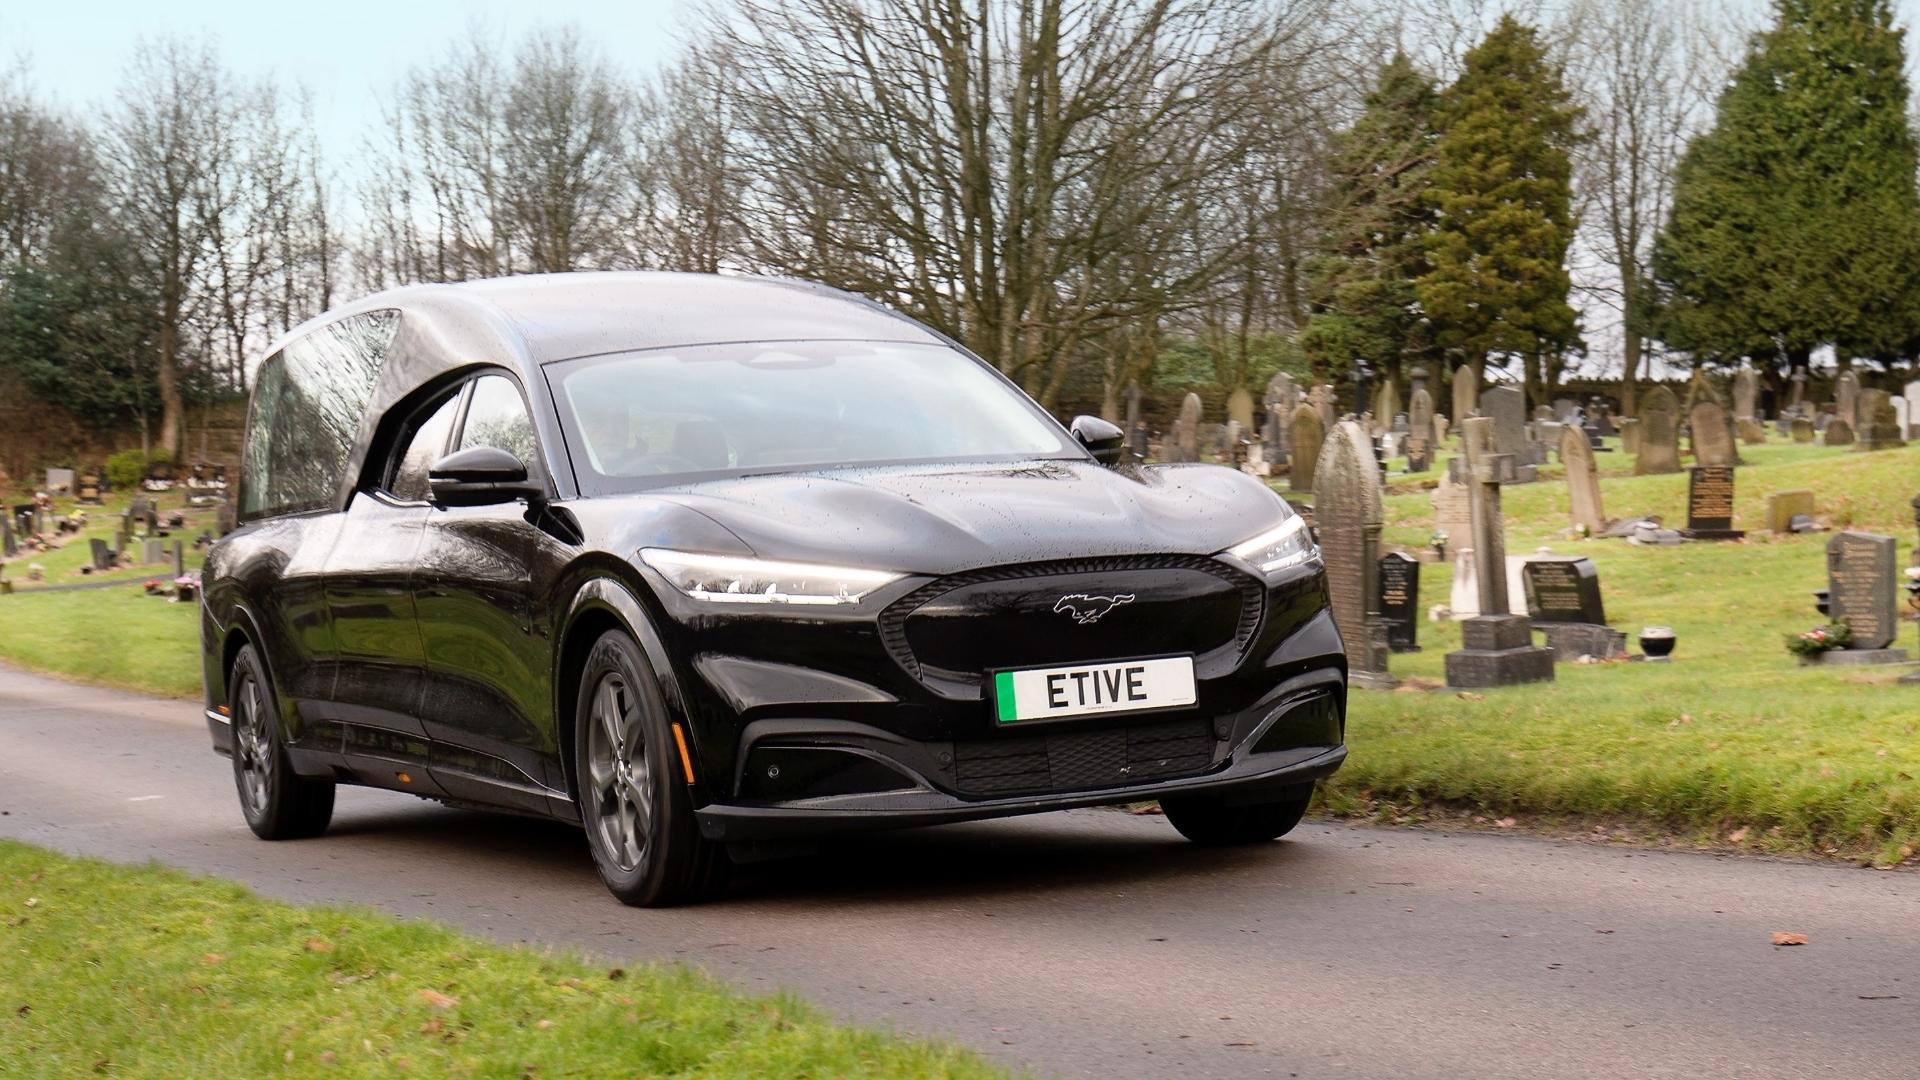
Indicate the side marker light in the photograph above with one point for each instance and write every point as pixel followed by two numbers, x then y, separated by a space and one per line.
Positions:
pixel 686 759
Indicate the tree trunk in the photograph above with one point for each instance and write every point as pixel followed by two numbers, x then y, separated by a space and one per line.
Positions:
pixel 166 375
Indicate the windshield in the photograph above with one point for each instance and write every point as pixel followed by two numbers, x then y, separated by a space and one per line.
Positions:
pixel 636 418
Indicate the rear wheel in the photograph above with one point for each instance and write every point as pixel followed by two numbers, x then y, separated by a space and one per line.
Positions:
pixel 278 804
pixel 631 784
pixel 1208 820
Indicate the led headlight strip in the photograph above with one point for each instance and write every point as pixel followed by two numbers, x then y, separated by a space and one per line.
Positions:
pixel 731 579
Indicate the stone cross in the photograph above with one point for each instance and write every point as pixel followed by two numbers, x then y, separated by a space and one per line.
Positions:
pixel 1466 394
pixel 1583 481
pixel 1348 513
pixel 1488 525
pixel 1712 441
pixel 1308 435
pixel 1497 647
pixel 1657 439
pixel 1186 429
pixel 1846 397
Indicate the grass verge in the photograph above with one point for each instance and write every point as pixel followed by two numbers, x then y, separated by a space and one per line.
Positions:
pixel 115 636
pixel 145 972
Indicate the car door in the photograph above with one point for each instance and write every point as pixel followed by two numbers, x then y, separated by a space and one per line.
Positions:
pixel 481 586
pixel 380 663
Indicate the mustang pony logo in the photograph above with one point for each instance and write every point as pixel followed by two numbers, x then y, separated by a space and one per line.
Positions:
pixel 1088 609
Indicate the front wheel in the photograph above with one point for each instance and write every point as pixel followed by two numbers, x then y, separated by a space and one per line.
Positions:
pixel 631 783
pixel 1208 820
pixel 278 803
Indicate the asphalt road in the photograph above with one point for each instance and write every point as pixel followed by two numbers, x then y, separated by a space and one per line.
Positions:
pixel 1095 943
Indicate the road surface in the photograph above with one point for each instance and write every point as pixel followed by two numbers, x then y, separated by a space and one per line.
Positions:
pixel 1095 943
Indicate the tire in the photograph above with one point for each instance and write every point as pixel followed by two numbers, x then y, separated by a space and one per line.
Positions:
pixel 278 804
pixel 1207 819
pixel 631 788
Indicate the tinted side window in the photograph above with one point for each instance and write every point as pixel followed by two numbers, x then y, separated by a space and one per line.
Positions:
pixel 306 408
pixel 425 445
pixel 497 417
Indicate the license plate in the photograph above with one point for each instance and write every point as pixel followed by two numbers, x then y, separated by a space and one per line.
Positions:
pixel 1083 689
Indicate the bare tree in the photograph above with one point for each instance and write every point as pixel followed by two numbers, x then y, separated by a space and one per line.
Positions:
pixel 47 172
pixel 687 175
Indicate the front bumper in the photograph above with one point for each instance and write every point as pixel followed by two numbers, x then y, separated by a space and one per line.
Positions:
pixel 1253 778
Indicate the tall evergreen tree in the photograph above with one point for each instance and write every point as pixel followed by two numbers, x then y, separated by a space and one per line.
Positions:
pixel 1362 284
pixel 1498 287
pixel 1795 221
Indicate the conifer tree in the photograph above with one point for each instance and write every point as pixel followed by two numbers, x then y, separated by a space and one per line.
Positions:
pixel 1498 287
pixel 1362 284
pixel 1795 221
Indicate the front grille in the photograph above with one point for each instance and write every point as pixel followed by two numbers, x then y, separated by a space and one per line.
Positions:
pixel 1082 760
pixel 1022 616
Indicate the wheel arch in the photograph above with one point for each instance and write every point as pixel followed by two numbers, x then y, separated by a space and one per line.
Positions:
pixel 600 605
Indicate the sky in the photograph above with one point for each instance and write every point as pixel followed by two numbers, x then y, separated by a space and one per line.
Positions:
pixel 347 53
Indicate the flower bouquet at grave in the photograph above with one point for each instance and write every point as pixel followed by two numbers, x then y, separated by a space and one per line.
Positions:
pixel 1820 639
pixel 152 585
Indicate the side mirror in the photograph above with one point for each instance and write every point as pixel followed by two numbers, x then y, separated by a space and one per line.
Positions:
pixel 1106 442
pixel 481 476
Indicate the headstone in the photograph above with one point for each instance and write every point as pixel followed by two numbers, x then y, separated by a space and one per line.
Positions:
pixel 1583 482
pixel 1497 648
pixel 1308 435
pixel 1453 515
pixel 152 551
pixel 1466 394
pixel 1386 405
pixel 102 554
pixel 1912 394
pixel 1710 504
pixel 1563 409
pixel 8 546
pixel 1542 412
pixel 1602 416
pixel 1801 429
pixel 1240 408
pixel 59 481
pixel 1861 580
pixel 1712 439
pixel 1507 408
pixel 1879 422
pixel 1563 589
pixel 1186 429
pixel 179 560
pixel 1400 600
pixel 1465 599
pixel 1839 432
pixel 1659 434
pixel 1630 436
pixel 1348 513
pixel 1420 438
pixel 1784 506
pixel 1440 426
pixel 1752 432
pixel 1746 393
pixel 1322 398
pixel 1903 413
pixel 1846 397
pixel 88 492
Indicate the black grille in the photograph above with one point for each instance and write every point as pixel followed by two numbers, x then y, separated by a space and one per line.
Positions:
pixel 959 627
pixel 1082 760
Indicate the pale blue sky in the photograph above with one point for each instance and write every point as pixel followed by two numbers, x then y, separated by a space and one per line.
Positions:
pixel 346 52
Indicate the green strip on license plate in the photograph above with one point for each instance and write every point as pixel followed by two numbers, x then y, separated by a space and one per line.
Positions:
pixel 1003 697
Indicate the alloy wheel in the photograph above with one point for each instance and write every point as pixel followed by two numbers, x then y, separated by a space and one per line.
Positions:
pixel 251 750
pixel 619 773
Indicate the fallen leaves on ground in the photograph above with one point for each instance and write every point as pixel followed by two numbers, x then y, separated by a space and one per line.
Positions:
pixel 1737 835
pixel 1152 808
pixel 438 1000
pixel 1504 823
pixel 1789 939
pixel 1466 696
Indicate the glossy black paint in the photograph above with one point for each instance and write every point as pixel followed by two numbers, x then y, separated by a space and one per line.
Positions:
pixel 435 648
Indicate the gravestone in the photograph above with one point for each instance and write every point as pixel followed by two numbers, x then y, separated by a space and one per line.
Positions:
pixel 1321 397
pixel 88 493
pixel 1630 435
pixel 179 560
pixel 1710 504
pixel 1347 514
pixel 1507 408
pixel 1466 394
pixel 1563 600
pixel 1784 506
pixel 1658 441
pixel 1600 414
pixel 59 481
pixel 8 546
pixel 1903 414
pixel 1308 435
pixel 1386 406
pixel 1186 431
pixel 1281 398
pixel 1136 431
pixel 1752 432
pixel 152 551
pixel 102 554
pixel 1497 647
pixel 1746 393
pixel 1420 438
pixel 1879 423
pixel 1861 580
pixel 1452 515
pixel 1839 432
pixel 1801 429
pixel 1712 440
pixel 1583 482
pixel 1399 601
pixel 1563 409
pixel 1846 397
pixel 1240 408
pixel 1464 598
pixel 1912 394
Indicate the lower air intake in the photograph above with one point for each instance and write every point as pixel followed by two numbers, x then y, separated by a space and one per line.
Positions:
pixel 1083 760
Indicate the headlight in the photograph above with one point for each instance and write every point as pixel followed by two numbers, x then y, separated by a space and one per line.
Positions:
pixel 732 580
pixel 1279 548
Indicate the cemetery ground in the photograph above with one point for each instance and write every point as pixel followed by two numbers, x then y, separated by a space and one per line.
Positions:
pixel 247 986
pixel 1731 743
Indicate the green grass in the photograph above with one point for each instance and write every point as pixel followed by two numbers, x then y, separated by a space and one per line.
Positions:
pixel 146 972
pixel 1733 735
pixel 117 636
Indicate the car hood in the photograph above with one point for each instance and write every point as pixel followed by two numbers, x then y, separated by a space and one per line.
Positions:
pixel 947 518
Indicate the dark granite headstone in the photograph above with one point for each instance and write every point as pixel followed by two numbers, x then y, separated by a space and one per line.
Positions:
pixel 1710 504
pixel 1861 581
pixel 1400 600
pixel 1563 590
pixel 102 554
